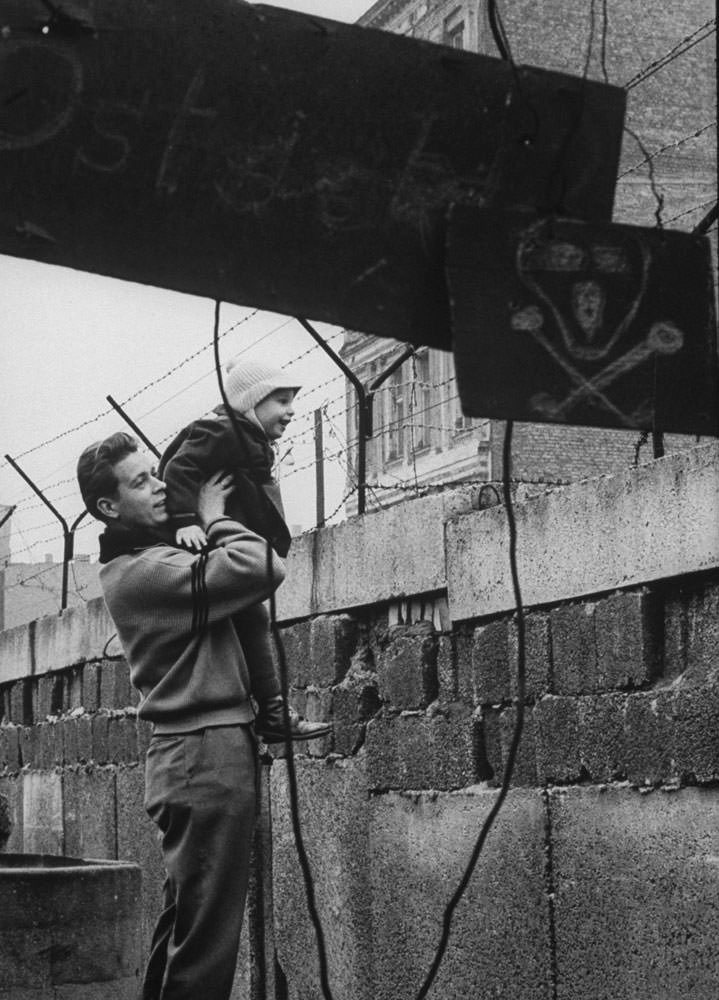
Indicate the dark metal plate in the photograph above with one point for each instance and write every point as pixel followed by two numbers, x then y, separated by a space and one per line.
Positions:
pixel 582 323
pixel 274 159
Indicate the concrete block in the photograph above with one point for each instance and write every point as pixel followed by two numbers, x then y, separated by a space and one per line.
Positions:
pixel 649 737
pixel 587 538
pixel 114 684
pixel 69 740
pixel 446 668
pixel 51 744
pixel 696 724
pixel 73 688
pixel 525 766
pixel 537 655
pixel 16 653
pixel 30 755
pixel 21 702
pixel 636 884
pixel 490 663
pixel 602 745
pixel 298 653
pixel 558 740
pixel 91 686
pixel 48 688
pixel 354 702
pixel 83 730
pixel 12 788
pixel 318 708
pixel 628 638
pixel 89 812
pixel 334 807
pixel 9 749
pixel 42 813
pixel 122 739
pixel 100 738
pixel 416 751
pixel 691 643
pixel 407 667
pixel 333 642
pixel 574 649
pixel 420 848
pixel 463 643
pixel 487 744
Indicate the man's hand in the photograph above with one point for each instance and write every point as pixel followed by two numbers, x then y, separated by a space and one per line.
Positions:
pixel 212 497
pixel 191 537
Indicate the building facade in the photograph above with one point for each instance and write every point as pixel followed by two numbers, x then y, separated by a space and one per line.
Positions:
pixel 664 56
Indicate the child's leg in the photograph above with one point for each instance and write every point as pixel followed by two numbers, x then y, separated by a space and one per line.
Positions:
pixel 253 630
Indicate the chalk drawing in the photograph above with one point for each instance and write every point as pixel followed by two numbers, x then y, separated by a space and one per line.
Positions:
pixel 588 288
pixel 56 120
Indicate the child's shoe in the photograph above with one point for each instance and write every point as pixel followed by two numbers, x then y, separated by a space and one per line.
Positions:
pixel 270 724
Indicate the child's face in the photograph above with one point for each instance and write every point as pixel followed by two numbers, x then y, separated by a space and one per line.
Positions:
pixel 275 411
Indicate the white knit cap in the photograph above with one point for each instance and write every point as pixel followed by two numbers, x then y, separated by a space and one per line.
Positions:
pixel 248 382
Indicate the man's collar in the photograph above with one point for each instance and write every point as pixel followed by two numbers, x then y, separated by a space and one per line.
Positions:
pixel 121 541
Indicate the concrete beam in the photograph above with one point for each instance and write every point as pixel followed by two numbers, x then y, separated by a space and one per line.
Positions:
pixel 650 523
pixel 376 557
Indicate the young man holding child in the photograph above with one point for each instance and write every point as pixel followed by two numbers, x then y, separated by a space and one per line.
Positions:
pixel 186 613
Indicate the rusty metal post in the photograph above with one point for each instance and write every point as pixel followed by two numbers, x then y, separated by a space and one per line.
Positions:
pixel 68 533
pixel 319 470
pixel 362 422
pixel 128 420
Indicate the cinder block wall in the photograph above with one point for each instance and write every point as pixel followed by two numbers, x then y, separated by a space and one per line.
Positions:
pixel 600 876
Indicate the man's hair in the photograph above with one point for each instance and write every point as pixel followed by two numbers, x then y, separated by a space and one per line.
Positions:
pixel 96 469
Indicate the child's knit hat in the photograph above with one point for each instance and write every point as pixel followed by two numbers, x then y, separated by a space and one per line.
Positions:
pixel 248 382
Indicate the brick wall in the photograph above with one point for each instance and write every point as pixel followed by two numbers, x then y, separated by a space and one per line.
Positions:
pixel 400 628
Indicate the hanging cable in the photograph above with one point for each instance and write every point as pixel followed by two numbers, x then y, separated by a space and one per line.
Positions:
pixel 518 726
pixel 282 661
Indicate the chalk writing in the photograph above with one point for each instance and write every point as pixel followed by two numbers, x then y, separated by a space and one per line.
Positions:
pixel 47 82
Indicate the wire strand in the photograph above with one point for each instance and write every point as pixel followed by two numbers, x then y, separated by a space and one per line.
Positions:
pixel 518 725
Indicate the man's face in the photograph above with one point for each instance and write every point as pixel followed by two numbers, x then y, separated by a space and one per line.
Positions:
pixel 139 501
pixel 275 411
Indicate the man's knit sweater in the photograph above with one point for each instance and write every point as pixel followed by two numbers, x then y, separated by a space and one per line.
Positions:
pixel 172 612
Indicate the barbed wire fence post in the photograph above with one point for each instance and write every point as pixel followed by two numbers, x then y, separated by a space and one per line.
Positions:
pixel 68 532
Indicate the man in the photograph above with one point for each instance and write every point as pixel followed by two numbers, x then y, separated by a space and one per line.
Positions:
pixel 172 611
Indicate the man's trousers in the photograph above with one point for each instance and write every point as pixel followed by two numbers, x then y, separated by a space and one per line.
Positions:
pixel 200 789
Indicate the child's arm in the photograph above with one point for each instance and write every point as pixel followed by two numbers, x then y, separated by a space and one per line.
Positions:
pixel 191 537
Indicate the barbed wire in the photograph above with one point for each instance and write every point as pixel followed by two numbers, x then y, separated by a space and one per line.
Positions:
pixel 674 53
pixel 672 145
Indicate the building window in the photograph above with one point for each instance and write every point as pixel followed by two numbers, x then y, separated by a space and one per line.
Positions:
pixel 454 29
pixel 395 418
pixel 421 401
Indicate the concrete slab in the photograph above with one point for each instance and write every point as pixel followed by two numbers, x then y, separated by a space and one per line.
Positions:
pixel 500 933
pixel 657 521
pixel 386 554
pixel 333 810
pixel 636 882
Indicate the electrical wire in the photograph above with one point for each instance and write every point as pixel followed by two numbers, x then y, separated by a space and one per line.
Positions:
pixel 518 726
pixel 284 683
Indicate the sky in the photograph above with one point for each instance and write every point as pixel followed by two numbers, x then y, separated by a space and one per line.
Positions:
pixel 68 339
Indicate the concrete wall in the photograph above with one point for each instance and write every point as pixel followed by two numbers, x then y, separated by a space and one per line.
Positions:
pixel 599 878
